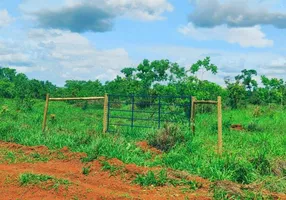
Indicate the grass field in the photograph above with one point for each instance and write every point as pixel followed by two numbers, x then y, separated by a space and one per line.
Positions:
pixel 254 156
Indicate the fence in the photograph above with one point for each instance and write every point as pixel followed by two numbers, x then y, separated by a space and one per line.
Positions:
pixel 139 111
pixel 48 99
pixel 153 111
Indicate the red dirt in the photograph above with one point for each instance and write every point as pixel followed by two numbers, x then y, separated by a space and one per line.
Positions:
pixel 145 147
pixel 237 127
pixel 97 184
pixel 43 150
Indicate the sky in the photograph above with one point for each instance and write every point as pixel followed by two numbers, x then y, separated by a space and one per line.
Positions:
pixel 59 40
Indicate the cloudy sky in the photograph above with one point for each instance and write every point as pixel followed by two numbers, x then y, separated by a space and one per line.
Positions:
pixel 58 40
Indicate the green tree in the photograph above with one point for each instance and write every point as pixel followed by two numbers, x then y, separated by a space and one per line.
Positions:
pixel 246 78
pixel 203 66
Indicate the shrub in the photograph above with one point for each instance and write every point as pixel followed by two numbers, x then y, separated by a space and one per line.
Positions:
pixel 165 139
pixel 25 104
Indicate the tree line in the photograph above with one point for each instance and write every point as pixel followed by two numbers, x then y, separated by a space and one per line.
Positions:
pixel 159 77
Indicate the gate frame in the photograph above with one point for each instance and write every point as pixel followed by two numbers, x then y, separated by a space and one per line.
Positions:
pixel 194 102
pixel 132 111
pixel 48 99
pixel 219 119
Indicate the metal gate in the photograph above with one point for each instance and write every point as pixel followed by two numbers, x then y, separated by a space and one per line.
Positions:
pixel 152 112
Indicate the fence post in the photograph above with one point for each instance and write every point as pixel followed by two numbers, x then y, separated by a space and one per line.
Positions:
pixel 132 107
pixel 193 113
pixel 159 113
pixel 105 113
pixel 219 109
pixel 45 113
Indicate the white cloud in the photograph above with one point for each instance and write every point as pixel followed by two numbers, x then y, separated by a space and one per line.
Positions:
pixel 245 37
pixel 139 9
pixel 5 18
pixel 230 63
pixel 92 15
pixel 236 13
pixel 62 55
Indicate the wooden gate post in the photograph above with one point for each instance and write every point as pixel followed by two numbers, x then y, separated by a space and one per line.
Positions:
pixel 45 113
pixel 105 113
pixel 219 117
pixel 193 113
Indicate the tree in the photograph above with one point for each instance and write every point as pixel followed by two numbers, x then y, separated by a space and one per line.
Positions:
pixel 203 66
pixel 275 89
pixel 150 73
pixel 235 92
pixel 246 77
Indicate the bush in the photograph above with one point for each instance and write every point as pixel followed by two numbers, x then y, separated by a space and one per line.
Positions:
pixel 165 139
pixel 25 104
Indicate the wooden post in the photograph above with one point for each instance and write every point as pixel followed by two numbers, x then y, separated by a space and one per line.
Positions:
pixel 193 113
pixel 45 113
pixel 219 117
pixel 105 113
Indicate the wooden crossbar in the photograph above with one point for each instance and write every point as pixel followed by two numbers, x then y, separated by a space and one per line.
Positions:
pixel 75 98
pixel 205 102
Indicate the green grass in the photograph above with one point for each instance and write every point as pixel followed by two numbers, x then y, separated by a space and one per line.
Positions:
pixel 86 170
pixel 249 156
pixel 18 156
pixel 161 178
pixel 151 179
pixel 38 179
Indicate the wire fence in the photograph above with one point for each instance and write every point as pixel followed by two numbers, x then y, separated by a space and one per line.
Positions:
pixel 140 111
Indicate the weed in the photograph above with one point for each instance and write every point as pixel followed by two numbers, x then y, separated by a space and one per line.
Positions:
pixel 36 179
pixel 262 164
pixel 149 179
pixel 161 179
pixel 106 166
pixel 86 170
pixel 10 157
pixel 165 139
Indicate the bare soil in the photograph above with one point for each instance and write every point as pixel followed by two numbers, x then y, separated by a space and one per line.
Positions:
pixel 98 184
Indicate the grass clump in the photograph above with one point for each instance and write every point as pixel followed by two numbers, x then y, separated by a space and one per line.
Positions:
pixel 39 179
pixel 223 190
pixel 106 166
pixel 161 179
pixel 86 170
pixel 151 179
pixel 166 138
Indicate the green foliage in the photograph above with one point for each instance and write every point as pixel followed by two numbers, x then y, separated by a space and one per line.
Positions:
pixel 236 94
pixel 158 77
pixel 166 138
pixel 34 179
pixel 204 65
pixel 86 170
pixel 37 179
pixel 150 179
pixel 246 78
pixel 161 178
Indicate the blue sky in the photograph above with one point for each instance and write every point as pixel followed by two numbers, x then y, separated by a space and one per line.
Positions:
pixel 58 40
